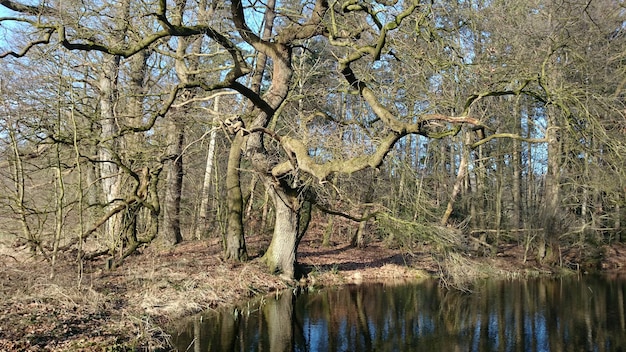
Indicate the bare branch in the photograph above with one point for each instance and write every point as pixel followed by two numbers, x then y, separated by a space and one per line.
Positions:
pixel 168 30
pixel 508 135
pixel 307 30
pixel 363 218
pixel 30 45
pixel 27 9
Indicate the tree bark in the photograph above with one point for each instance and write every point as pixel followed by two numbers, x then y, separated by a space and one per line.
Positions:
pixel 109 171
pixel 235 236
pixel 171 214
pixel 359 236
pixel 460 176
pixel 551 225
pixel 235 239
pixel 281 254
pixel 203 222
pixel 516 159
pixel 328 231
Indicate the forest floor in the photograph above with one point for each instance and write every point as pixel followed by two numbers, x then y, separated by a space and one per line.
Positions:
pixel 128 308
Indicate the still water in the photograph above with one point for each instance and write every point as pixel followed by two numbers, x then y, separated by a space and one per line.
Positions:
pixel 571 314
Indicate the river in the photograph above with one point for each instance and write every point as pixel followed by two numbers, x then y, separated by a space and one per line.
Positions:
pixel 566 314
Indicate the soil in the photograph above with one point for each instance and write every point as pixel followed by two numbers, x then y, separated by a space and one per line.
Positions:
pixel 129 307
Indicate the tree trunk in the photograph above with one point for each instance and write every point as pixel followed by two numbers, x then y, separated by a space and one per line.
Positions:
pixel 460 176
pixel 516 186
pixel 617 222
pixel 359 236
pixel 531 188
pixel 176 137
pixel 499 202
pixel 109 172
pixel 17 170
pixel 476 176
pixel 171 214
pixel 551 201
pixel 235 240
pixel 109 145
pixel 265 211
pixel 250 201
pixel 203 222
pixel 281 254
pixel 328 231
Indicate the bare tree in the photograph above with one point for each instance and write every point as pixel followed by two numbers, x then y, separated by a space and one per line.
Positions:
pixel 349 87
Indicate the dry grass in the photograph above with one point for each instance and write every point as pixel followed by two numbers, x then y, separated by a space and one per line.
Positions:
pixel 460 272
pixel 125 307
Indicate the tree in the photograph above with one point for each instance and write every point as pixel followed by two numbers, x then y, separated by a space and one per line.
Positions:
pixel 286 180
pixel 341 88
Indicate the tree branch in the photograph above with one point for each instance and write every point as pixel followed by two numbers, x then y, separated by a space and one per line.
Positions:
pixel 299 152
pixel 363 218
pixel 310 29
pixel 167 29
pixel 27 9
pixel 30 45
pixel 508 135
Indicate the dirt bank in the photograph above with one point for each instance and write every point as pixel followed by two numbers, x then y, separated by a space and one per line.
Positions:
pixel 126 308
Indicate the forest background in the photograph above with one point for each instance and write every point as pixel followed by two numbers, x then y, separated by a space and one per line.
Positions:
pixel 158 158
pixel 454 123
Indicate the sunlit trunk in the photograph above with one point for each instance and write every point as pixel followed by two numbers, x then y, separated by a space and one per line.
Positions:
pixel 584 204
pixel 551 194
pixel 203 212
pixel 500 184
pixel 617 223
pixel 330 225
pixel 17 170
pixel 328 231
pixel 281 254
pixel 108 144
pixel 171 215
pixel 175 123
pixel 359 236
pixel 516 184
pixel 265 211
pixel 478 203
pixel 458 183
pixel 531 189
pixel 235 240
pixel 59 211
pixel 109 172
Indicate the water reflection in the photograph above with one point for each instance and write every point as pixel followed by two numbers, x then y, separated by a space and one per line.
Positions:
pixel 573 314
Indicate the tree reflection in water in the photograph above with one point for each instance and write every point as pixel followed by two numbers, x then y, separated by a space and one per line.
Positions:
pixel 572 314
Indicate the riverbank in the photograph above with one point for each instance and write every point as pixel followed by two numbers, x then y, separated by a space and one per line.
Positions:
pixel 127 308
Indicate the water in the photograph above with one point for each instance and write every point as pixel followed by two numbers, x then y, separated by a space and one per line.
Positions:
pixel 571 314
